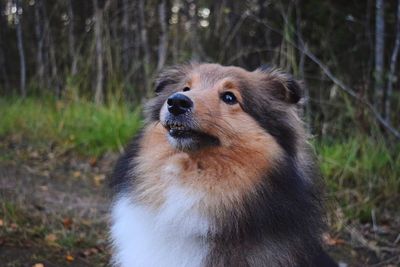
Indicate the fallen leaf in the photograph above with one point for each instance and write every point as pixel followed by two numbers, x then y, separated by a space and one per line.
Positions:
pixel 51 238
pixel 92 161
pixel 1 223
pixel 331 241
pixel 76 174
pixel 69 258
pixel 38 265
pixel 67 222
pixel 99 179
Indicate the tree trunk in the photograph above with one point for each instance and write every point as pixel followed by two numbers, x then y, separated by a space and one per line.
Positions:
pixel 145 47
pixel 191 12
pixel 40 41
pixel 98 20
pixel 3 71
pixel 163 45
pixel 302 45
pixel 369 36
pixel 379 53
pixel 71 39
pixel 21 51
pixel 56 83
pixel 393 64
pixel 126 55
pixel 3 68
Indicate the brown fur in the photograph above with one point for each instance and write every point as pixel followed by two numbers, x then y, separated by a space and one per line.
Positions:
pixel 226 172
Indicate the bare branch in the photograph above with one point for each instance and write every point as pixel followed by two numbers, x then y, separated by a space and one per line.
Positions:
pixel 337 81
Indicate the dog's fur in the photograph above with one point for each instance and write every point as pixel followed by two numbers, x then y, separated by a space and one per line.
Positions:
pixel 243 191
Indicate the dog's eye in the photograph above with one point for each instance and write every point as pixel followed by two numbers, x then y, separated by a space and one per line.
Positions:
pixel 186 89
pixel 229 98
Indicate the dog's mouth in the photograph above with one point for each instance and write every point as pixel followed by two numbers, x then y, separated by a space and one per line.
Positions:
pixel 184 136
pixel 179 130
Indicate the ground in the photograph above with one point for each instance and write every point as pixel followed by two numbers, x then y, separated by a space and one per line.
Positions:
pixel 54 212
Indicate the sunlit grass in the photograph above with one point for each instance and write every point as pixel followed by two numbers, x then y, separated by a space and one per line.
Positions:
pixel 79 125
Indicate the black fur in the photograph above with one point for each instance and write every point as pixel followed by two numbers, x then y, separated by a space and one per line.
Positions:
pixel 120 180
pixel 283 210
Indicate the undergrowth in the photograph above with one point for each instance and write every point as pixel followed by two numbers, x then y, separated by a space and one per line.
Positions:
pixel 361 172
pixel 77 125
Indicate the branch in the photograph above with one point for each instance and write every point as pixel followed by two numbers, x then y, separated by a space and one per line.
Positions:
pixel 352 93
pixel 335 80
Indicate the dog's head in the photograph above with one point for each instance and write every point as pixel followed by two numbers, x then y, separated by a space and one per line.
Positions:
pixel 206 105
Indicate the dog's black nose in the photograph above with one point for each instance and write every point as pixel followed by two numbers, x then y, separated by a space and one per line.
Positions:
pixel 179 104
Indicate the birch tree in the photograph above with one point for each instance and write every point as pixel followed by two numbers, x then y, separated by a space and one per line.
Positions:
pixel 379 52
pixel 71 39
pixel 21 50
pixel 163 45
pixel 392 68
pixel 98 39
pixel 40 42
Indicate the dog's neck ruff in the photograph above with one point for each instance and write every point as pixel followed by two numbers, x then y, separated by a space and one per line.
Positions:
pixel 171 236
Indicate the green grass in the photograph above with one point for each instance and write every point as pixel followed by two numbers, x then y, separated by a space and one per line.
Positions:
pixel 362 174
pixel 79 125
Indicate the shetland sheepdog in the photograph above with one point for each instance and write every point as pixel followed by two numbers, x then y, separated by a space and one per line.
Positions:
pixel 221 175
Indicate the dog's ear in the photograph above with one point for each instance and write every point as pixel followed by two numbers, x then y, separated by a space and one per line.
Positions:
pixel 294 89
pixel 282 85
pixel 170 76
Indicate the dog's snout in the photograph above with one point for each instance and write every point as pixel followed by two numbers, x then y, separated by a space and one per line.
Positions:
pixel 179 104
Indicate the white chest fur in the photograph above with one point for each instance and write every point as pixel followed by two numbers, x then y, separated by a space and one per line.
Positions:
pixel 168 237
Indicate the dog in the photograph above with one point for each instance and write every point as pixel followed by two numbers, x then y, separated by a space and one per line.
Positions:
pixel 220 175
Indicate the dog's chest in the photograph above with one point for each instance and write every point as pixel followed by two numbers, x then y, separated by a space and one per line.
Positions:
pixel 172 235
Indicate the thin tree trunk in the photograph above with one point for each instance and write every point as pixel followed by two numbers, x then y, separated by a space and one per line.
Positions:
pixel 379 53
pixel 301 44
pixel 369 35
pixel 126 55
pixel 191 11
pixel 145 46
pixel 71 39
pixel 393 64
pixel 6 83
pixel 3 68
pixel 163 45
pixel 54 66
pixel 40 42
pixel 52 54
pixel 21 51
pixel 175 30
pixel 98 20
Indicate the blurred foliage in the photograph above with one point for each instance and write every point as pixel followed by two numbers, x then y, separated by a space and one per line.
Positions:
pixel 79 125
pixel 65 55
